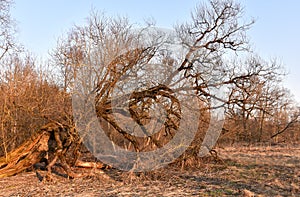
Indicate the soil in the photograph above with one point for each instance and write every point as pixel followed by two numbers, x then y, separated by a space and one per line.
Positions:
pixel 243 171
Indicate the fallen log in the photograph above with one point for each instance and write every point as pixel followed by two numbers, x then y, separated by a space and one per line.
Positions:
pixel 52 143
pixel 25 156
pixel 87 164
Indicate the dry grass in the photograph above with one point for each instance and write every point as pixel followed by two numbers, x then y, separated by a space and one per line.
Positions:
pixel 246 171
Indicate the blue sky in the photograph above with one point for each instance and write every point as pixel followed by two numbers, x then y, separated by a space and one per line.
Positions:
pixel 275 33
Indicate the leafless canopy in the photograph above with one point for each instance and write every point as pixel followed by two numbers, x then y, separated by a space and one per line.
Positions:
pixel 6 28
pixel 116 54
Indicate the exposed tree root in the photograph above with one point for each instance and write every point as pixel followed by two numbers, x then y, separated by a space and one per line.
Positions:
pixel 54 142
pixel 29 153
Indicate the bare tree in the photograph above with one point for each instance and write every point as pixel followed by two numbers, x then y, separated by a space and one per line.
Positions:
pixel 110 49
pixel 7 29
pixel 251 98
pixel 284 119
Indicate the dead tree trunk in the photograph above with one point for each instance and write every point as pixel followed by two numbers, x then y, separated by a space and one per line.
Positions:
pixel 53 143
pixel 29 153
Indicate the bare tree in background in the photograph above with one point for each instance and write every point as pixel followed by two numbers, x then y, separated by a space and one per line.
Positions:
pixel 250 98
pixel 284 119
pixel 7 29
pixel 255 103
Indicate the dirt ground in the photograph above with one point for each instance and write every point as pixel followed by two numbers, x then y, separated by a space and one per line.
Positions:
pixel 245 171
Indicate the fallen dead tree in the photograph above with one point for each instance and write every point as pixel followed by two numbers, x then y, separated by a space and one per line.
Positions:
pixel 52 143
pixel 29 153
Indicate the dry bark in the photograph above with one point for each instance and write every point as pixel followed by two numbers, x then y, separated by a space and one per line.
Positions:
pixel 54 142
pixel 29 153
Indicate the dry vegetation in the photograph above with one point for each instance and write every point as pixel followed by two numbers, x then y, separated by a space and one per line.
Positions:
pixel 40 144
pixel 257 170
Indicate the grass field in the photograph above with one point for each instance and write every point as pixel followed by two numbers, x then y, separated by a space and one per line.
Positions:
pixel 244 171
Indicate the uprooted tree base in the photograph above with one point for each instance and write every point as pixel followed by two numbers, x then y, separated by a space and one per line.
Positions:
pixel 55 143
pixel 51 143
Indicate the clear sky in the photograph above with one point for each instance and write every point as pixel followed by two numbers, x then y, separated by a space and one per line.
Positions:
pixel 275 34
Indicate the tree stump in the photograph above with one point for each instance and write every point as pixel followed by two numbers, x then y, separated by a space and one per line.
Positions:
pixel 52 143
pixel 29 153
